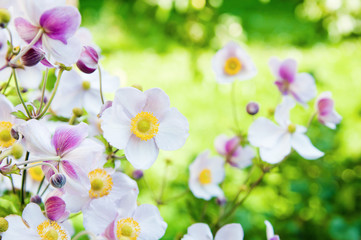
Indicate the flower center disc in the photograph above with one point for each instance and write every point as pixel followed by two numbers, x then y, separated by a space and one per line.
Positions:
pixel 232 66
pixel 6 140
pixel 86 85
pixel 101 183
pixel 205 177
pixel 292 128
pixel 145 125
pixel 36 173
pixel 50 230
pixel 128 228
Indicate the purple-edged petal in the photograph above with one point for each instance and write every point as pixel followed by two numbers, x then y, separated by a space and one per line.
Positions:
pixel 60 23
pixel 55 208
pixel 26 30
pixel 88 61
pixel 71 169
pixel 66 138
pixel 48 171
pixel 288 70
pixel 141 154
pixel 233 231
pixel 231 145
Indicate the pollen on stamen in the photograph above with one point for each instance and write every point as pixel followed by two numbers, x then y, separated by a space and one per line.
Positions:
pixel 128 228
pixel 51 230
pixel 6 139
pixel 232 66
pixel 101 183
pixel 145 125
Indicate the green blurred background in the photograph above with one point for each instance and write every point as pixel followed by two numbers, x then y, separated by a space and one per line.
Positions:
pixel 170 43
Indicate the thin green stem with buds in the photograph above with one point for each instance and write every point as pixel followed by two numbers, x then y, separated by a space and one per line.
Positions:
pixel 19 94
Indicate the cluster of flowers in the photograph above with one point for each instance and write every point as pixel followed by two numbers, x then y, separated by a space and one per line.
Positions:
pixel 61 163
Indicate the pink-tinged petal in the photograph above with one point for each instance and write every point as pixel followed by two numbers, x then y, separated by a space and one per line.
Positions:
pixel 325 106
pixel 33 215
pixel 279 151
pixel 269 230
pixel 303 88
pixel 26 30
pixel 60 23
pixel 198 231
pixel 71 169
pixel 18 230
pixel 48 171
pixel 220 144
pixel 88 61
pixel 282 113
pixel 275 64
pixel 331 119
pixel 233 231
pixel 109 233
pixel 157 102
pixel 173 131
pixel 283 86
pixel 66 138
pixel 37 138
pixel 243 158
pixel 288 70
pixel 46 63
pixel 55 208
pixel 5 109
pixel 303 146
pixel 151 223
pixel 130 100
pixel 141 154
pixel 231 145
pixel 264 133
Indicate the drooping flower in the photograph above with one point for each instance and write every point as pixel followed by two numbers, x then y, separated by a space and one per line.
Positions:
pixel 141 123
pixel 235 154
pixel 88 61
pixel 7 122
pixel 201 231
pixel 233 63
pixel 275 141
pixel 270 232
pixel 205 174
pixel 299 85
pixel 326 113
pixel 58 24
pixel 33 225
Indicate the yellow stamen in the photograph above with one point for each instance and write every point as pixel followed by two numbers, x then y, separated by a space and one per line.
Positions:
pixel 145 125
pixel 232 66
pixel 292 128
pixel 86 85
pixel 205 177
pixel 50 230
pixel 128 228
pixel 6 140
pixel 101 183
pixel 36 173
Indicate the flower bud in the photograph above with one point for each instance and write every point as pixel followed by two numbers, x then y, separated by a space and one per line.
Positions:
pixel 252 108
pixel 221 201
pixel 36 199
pixel 17 150
pixel 14 134
pixel 10 169
pixel 88 61
pixel 137 174
pixel 78 112
pixel 137 86
pixel 4 17
pixel 4 225
pixel 32 57
pixel 58 180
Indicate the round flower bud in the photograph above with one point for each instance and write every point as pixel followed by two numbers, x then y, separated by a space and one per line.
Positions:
pixel 4 17
pixel 137 174
pixel 88 61
pixel 221 201
pixel 35 199
pixel 17 150
pixel 4 225
pixel 78 112
pixel 137 86
pixel 58 180
pixel 14 134
pixel 252 108
pixel 32 57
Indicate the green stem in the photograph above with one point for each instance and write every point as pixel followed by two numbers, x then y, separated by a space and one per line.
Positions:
pixel 8 83
pixel 100 84
pixel 310 120
pixel 234 106
pixel 83 233
pixel 40 185
pixel 52 95
pixel 19 94
pixel 42 164
pixel 30 45
pixel 43 91
pixel 23 182
pixel 39 160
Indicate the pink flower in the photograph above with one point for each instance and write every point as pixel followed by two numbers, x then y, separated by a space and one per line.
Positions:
pixel 326 112
pixel 201 231
pixel 275 141
pixel 236 155
pixel 299 85
pixel 88 61
pixel 233 63
pixel 141 123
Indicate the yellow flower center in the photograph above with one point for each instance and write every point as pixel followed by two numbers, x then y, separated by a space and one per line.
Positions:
pixel 36 173
pixel 232 66
pixel 127 229
pixel 6 140
pixel 205 177
pixel 86 85
pixel 292 128
pixel 145 125
pixel 101 183
pixel 51 230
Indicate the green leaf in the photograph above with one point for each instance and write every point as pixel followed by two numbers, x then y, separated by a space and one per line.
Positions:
pixel 19 114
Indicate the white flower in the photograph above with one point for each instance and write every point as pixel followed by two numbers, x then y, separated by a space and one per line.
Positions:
pixel 7 122
pixel 201 231
pixel 270 232
pixel 141 123
pixel 275 141
pixel 205 174
pixel 233 63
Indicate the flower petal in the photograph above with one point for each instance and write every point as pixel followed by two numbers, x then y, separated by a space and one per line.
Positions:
pixel 141 154
pixel 157 102
pixel 233 231
pixel 123 185
pixel 220 144
pixel 288 70
pixel 198 231
pixel 303 88
pixel 264 133
pixel 18 230
pixel 130 100
pixel 25 29
pixel 282 113
pixel 302 144
pixel 151 223
pixel 277 153
pixel 55 208
pixel 269 230
pixel 5 109
pixel 33 215
pixel 243 158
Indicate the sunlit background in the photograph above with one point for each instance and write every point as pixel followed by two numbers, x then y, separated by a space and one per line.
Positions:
pixel 170 43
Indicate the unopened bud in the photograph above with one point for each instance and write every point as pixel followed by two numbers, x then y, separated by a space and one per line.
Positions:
pixel 88 61
pixel 14 134
pixel 58 180
pixel 221 201
pixel 4 17
pixel 17 150
pixel 4 225
pixel 32 57
pixel 78 112
pixel 137 174
pixel 137 86
pixel 9 169
pixel 252 108
pixel 36 199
